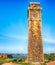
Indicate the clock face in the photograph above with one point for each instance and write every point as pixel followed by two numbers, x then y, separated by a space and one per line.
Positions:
pixel 35 15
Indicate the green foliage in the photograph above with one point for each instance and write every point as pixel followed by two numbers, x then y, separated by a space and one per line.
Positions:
pixel 49 57
pixel 2 60
pixel 43 64
pixel 23 63
pixel 9 60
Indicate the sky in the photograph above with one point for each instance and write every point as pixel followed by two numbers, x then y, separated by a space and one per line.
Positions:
pixel 14 25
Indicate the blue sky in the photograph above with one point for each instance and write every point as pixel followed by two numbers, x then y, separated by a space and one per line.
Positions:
pixel 14 25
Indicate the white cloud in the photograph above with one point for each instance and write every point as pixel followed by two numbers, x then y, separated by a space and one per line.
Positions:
pixel 49 40
pixel 48 35
pixel 21 37
pixel 49 50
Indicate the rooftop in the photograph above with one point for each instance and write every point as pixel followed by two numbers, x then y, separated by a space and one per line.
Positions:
pixel 34 4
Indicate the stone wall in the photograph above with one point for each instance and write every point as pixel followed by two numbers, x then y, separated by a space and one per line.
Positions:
pixel 35 46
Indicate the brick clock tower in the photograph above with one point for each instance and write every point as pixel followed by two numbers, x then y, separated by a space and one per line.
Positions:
pixel 35 46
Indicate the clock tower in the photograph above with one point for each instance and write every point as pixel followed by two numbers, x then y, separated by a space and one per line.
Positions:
pixel 35 46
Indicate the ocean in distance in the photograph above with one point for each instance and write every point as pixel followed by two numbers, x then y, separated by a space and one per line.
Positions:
pixel 19 55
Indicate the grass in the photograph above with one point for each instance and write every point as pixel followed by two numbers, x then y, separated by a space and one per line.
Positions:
pixel 23 63
pixel 8 60
pixel 2 60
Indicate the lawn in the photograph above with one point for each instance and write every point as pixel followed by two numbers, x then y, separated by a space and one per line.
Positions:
pixel 8 60
pixel 2 60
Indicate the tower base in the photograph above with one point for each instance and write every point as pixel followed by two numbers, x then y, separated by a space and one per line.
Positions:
pixel 35 63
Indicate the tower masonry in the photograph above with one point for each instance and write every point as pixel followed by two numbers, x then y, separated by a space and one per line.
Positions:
pixel 35 46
